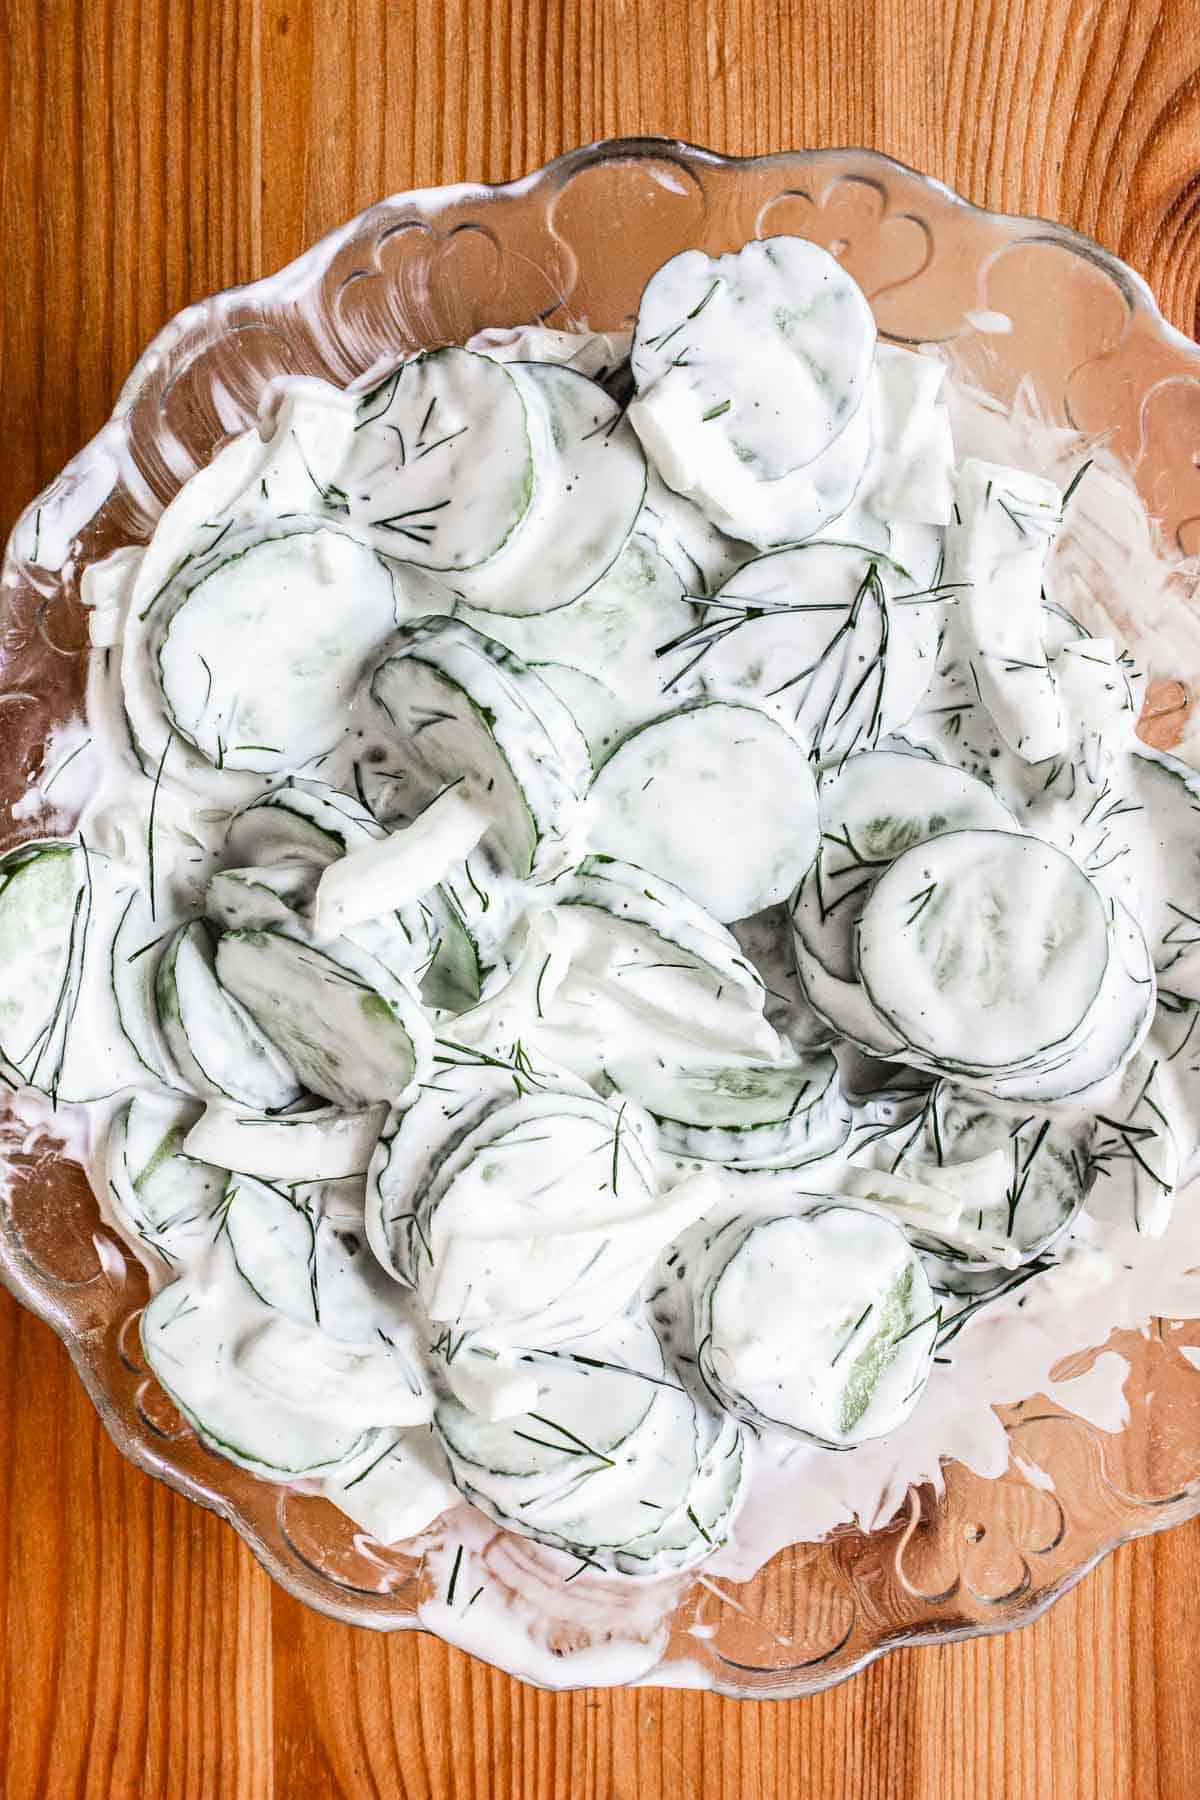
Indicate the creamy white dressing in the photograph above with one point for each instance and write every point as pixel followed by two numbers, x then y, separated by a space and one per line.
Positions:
pixel 404 672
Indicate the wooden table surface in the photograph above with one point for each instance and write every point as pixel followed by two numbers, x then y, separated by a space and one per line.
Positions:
pixel 152 152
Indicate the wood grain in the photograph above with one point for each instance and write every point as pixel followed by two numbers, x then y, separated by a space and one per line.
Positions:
pixel 153 151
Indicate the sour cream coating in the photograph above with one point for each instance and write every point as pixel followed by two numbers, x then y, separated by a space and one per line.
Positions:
pixel 480 912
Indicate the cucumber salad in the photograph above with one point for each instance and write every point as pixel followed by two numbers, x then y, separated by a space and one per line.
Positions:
pixel 607 918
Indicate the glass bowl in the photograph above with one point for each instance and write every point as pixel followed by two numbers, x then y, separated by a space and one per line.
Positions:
pixel 1008 298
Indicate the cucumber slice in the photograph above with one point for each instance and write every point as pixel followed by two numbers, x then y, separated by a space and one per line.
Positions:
pixel 612 633
pixel 1019 1180
pixel 190 1332
pixel 352 1031
pixel 137 947
pixel 359 1302
pixel 465 709
pixel 996 551
pixel 195 526
pixel 874 807
pixel 819 634
pixel 213 1039
pixel 273 1245
pixel 750 368
pixel 499 1240
pixel 778 329
pixel 693 1532
pixel 257 661
pixel 593 1394
pixel 820 1325
pixel 657 1506
pixel 842 1004
pixel 45 903
pixel 356 1385
pixel 748 1113
pixel 445 1108
pixel 983 949
pixel 87 1054
pixel 322 1145
pixel 303 1255
pixel 300 822
pixel 624 1499
pixel 464 1087
pixel 593 706
pixel 440 469
pixel 1084 1065
pixel 588 486
pixel 157 1195
pixel 676 785
pixel 251 899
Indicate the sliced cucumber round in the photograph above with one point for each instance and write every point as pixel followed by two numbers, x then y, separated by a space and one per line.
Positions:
pixel 1020 1179
pixel 440 471
pixel 589 481
pixel 996 549
pixel 820 1324
pixel 213 1039
pixel 874 807
pixel 164 1199
pixel 744 1113
pixel 463 1086
pixel 813 633
pixel 842 1004
pixel 273 1245
pixel 190 1336
pixel 703 775
pixel 613 634
pixel 251 899
pixel 300 822
pixel 730 404
pixel 1086 1063
pixel 353 1032
pixel 501 1243
pixel 138 943
pixel 592 1395
pixel 261 651
pixel 702 556
pixel 1160 818
pixel 983 949
pixel 44 904
pixel 465 709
